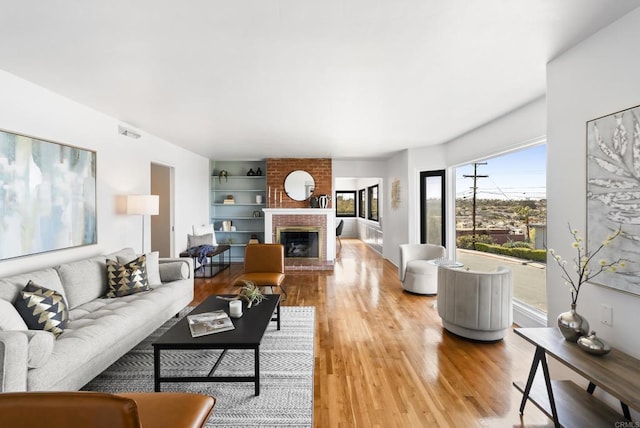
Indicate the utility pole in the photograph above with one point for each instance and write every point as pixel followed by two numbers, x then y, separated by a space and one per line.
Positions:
pixel 475 177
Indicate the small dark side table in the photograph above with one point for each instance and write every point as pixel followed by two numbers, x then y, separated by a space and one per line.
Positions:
pixel 210 268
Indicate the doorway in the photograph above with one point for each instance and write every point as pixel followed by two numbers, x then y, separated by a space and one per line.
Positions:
pixel 162 239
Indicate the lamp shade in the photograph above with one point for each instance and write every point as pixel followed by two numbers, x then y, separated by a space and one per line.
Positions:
pixel 143 204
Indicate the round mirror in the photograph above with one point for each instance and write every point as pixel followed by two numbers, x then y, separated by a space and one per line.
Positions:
pixel 299 185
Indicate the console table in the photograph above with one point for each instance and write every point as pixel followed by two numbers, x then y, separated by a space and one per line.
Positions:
pixel 564 401
pixel 213 267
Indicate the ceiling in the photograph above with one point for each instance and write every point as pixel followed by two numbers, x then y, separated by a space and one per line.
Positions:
pixel 247 79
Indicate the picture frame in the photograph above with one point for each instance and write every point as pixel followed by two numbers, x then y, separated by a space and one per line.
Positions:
pixel 613 194
pixel 47 195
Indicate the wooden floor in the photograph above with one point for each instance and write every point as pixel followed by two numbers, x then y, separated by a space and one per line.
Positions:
pixel 382 358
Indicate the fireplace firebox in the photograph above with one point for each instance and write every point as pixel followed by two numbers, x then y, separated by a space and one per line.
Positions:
pixel 300 242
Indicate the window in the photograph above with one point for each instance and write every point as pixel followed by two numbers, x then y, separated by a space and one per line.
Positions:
pixel 432 207
pixel 362 203
pixel 501 209
pixel 345 203
pixel 373 202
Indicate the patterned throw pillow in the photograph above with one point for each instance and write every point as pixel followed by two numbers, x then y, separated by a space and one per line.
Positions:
pixel 128 278
pixel 42 309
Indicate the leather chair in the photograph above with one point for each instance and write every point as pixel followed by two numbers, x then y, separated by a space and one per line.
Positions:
pixel 100 410
pixel 476 305
pixel 264 266
pixel 339 231
pixel 417 271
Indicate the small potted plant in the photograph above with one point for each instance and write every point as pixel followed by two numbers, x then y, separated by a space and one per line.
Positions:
pixel 251 293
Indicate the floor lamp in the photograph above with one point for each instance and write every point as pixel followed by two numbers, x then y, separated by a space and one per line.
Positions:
pixel 143 205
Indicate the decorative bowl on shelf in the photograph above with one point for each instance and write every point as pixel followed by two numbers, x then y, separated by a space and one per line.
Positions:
pixel 593 345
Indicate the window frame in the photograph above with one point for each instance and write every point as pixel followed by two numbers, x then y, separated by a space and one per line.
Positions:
pixel 362 203
pixel 370 191
pixel 355 205
pixel 438 173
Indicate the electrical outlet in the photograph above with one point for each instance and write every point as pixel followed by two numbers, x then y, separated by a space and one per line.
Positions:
pixel 606 315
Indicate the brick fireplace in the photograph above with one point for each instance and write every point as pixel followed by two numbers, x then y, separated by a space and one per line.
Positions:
pixel 322 220
pixel 301 242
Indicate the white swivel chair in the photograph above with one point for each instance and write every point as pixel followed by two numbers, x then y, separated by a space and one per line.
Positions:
pixel 476 305
pixel 417 271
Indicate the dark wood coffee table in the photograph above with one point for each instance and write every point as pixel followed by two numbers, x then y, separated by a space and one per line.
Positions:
pixel 248 333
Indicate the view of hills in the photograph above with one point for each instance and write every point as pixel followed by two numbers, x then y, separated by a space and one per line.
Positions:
pixel 513 215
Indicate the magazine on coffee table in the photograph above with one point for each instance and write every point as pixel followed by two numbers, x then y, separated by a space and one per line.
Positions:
pixel 209 323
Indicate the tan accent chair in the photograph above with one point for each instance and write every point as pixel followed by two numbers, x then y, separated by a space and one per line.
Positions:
pixel 99 410
pixel 476 305
pixel 264 266
pixel 417 271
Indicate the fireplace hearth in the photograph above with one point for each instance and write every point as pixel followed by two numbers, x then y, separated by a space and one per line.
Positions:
pixel 300 242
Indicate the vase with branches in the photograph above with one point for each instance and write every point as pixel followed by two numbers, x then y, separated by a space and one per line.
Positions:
pixel 571 324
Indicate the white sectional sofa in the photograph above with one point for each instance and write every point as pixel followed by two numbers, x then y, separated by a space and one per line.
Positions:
pixel 99 330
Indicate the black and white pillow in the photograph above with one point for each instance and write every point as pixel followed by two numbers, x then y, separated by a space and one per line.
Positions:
pixel 127 278
pixel 42 308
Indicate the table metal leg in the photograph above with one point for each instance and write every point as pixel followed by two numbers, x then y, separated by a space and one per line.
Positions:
pixel 217 363
pixel 540 358
pixel 532 375
pixel 625 408
pixel 257 369
pixel 547 380
pixel 156 369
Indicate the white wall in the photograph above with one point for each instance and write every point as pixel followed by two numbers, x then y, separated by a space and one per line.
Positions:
pixel 595 78
pixel 123 168
pixel 357 168
pixel 396 226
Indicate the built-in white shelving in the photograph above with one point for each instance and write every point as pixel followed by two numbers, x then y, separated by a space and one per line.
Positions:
pixel 249 196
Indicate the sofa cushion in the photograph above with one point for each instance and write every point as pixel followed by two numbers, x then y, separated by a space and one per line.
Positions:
pixel 83 280
pixel 174 271
pixel 42 308
pixel 127 253
pixel 102 330
pixel 10 319
pixel 40 347
pixel 12 285
pixel 128 278
pixel 152 266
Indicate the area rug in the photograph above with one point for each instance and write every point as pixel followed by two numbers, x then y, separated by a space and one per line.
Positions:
pixel 286 375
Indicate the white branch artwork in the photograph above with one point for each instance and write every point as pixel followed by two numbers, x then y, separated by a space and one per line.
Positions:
pixel 613 193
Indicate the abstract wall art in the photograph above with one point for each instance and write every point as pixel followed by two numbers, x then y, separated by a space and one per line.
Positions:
pixel 47 196
pixel 613 194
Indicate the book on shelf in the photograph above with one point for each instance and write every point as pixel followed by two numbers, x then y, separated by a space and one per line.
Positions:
pixel 209 323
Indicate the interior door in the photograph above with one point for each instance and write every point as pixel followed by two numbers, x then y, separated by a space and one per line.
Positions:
pixel 162 224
